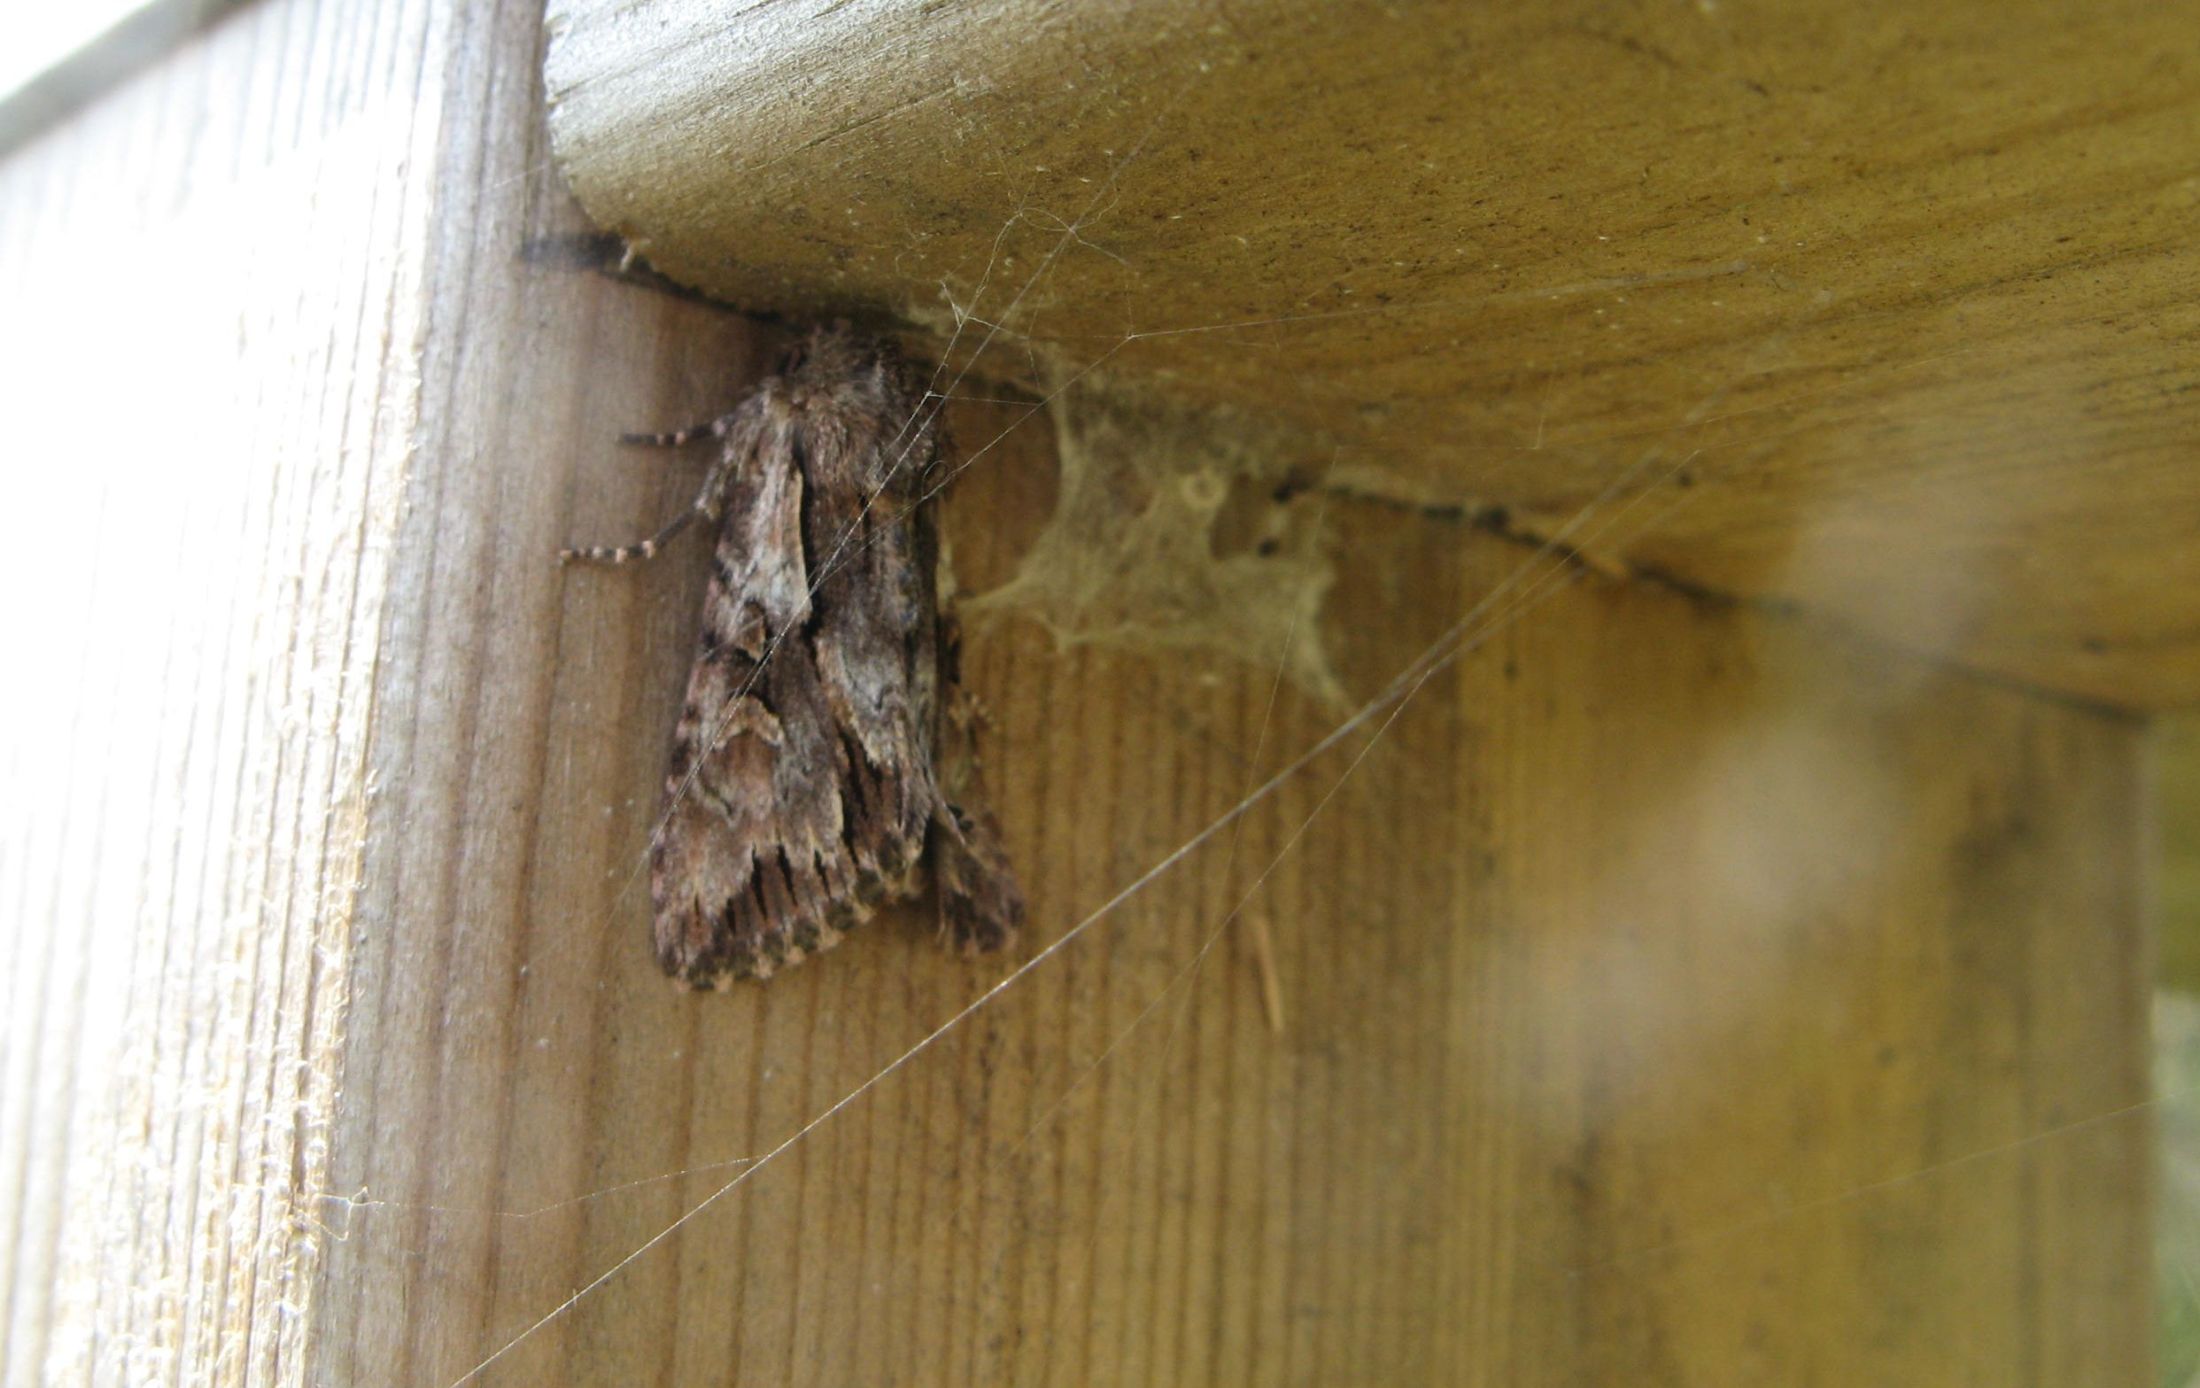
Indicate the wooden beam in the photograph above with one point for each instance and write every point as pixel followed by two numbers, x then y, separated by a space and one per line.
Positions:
pixel 1675 992
pixel 1908 284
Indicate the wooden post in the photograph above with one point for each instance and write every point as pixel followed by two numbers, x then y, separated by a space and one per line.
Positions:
pixel 1676 991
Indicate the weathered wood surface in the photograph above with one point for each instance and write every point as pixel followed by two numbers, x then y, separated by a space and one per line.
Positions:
pixel 211 300
pixel 1677 993
pixel 1674 996
pixel 1913 280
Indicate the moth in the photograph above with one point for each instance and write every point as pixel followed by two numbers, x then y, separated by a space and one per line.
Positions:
pixel 823 750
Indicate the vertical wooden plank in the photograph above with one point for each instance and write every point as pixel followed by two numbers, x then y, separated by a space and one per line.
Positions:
pixel 212 286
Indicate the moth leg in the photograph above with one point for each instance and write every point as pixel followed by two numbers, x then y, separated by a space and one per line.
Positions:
pixel 681 438
pixel 621 554
pixel 647 549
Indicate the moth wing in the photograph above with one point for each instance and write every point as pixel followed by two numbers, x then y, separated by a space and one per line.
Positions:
pixel 750 869
pixel 871 635
pixel 981 905
pixel 804 785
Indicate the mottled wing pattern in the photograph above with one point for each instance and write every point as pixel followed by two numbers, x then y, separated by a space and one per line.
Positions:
pixel 804 785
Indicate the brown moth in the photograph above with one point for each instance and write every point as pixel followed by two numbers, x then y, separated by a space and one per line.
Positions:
pixel 806 776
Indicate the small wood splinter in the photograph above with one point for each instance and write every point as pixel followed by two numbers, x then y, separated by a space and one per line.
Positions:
pixel 819 746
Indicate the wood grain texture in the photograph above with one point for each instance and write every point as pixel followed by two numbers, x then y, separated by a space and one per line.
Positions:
pixel 1675 997
pixel 211 285
pixel 1911 280
pixel 1678 993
